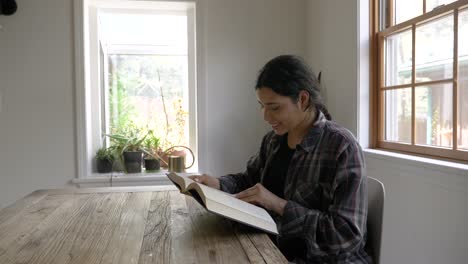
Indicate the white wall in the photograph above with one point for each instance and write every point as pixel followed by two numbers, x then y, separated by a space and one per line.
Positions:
pixel 239 38
pixel 425 211
pixel 36 81
pixel 425 207
pixel 331 48
pixel 37 116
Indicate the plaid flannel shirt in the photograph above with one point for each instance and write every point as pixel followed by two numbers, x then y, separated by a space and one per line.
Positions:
pixel 325 189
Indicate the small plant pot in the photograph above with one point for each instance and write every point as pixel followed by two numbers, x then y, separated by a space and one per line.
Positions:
pixel 104 165
pixel 118 165
pixel 152 164
pixel 133 161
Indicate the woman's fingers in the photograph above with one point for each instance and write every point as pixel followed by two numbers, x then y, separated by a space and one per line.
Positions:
pixel 260 196
pixel 244 194
pixel 198 178
pixel 194 177
pixel 247 192
pixel 251 199
pixel 206 180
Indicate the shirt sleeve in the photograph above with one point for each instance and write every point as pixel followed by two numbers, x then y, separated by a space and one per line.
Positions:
pixel 234 183
pixel 342 227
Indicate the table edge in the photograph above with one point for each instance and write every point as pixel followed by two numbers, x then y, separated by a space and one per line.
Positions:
pixel 106 189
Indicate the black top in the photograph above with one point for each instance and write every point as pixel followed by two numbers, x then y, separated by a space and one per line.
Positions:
pixel 276 176
pixel 274 181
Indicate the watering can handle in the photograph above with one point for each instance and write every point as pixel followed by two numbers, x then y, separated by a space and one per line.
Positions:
pixel 191 152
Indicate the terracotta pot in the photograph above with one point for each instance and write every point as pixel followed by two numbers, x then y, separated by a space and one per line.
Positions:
pixel 165 156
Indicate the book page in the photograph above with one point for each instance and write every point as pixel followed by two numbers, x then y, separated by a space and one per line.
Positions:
pixel 180 181
pixel 227 205
pixel 229 200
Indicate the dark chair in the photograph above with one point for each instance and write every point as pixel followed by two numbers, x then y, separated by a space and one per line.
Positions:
pixel 375 209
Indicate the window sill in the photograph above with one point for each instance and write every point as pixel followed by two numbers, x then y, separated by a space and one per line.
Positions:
pixel 124 179
pixel 420 162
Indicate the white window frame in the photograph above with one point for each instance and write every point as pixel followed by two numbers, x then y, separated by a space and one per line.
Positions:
pixel 88 124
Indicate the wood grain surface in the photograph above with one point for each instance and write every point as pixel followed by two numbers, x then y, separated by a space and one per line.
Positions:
pixel 125 225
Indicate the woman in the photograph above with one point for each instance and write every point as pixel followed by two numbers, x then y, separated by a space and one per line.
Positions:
pixel 309 171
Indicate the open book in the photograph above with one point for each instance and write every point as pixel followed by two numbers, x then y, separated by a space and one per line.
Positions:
pixel 225 204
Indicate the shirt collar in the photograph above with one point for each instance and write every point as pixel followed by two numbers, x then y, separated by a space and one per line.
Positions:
pixel 312 137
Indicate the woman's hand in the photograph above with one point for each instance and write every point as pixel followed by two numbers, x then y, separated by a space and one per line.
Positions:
pixel 207 180
pixel 259 195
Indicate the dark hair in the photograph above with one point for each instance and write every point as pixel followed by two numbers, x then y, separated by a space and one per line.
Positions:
pixel 287 75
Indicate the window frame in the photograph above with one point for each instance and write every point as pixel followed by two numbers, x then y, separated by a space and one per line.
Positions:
pixel 377 74
pixel 88 126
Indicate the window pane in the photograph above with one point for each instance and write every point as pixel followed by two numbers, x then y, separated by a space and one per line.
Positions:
pixel 164 33
pixel 463 112
pixel 434 115
pixel 463 80
pixel 434 50
pixel 407 9
pixel 431 4
pixel 398 53
pixel 398 115
pixel 149 92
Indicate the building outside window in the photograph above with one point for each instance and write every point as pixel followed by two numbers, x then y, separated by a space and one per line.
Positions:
pixel 422 85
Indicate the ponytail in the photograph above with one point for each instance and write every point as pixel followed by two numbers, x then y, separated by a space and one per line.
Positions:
pixel 322 108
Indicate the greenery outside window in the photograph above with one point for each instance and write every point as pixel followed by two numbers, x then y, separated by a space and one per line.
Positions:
pixel 147 85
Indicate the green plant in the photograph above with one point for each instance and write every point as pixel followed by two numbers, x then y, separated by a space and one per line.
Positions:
pixel 135 140
pixel 120 105
pixel 105 154
pixel 151 144
pixel 144 93
pixel 131 142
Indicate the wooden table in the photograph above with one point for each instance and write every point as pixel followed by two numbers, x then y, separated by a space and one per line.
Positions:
pixel 125 225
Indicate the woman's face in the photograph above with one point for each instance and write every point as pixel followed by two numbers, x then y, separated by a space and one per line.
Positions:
pixel 281 113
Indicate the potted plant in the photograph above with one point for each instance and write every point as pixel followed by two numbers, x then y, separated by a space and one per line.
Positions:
pixel 151 148
pixel 104 159
pixel 129 148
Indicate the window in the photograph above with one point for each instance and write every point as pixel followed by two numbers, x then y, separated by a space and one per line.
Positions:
pixel 147 74
pixel 421 57
pixel 138 74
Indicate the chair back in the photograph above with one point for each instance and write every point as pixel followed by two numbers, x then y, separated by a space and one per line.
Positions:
pixel 375 209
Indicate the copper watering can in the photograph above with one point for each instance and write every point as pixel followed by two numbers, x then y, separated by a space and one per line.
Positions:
pixel 176 163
